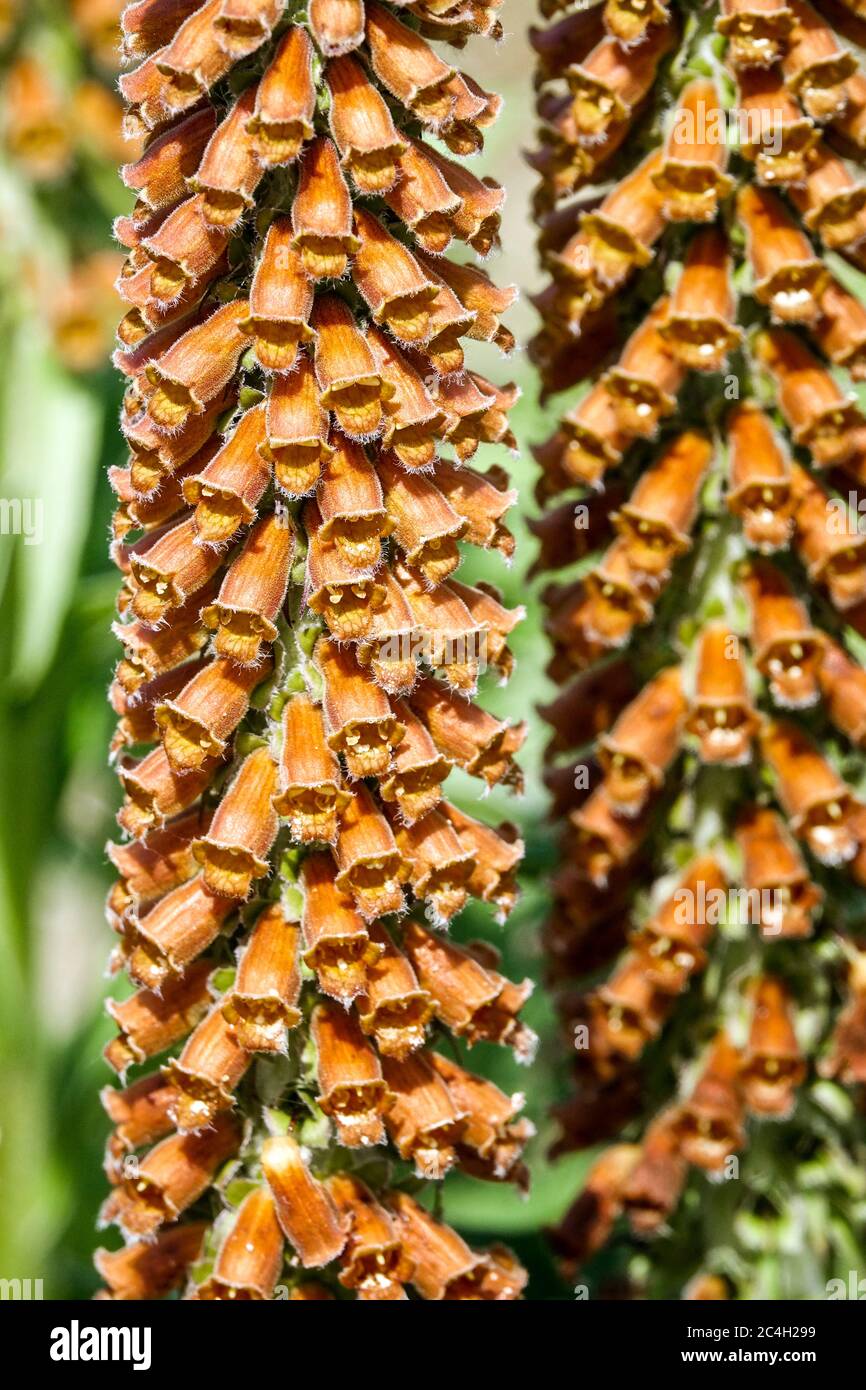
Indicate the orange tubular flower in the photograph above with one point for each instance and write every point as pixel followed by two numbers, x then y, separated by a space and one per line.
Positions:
pixel 773 1066
pixel 337 25
pixel 196 726
pixel 280 301
pixel 787 649
pixel 371 867
pixel 362 127
pixel 655 521
pixel 788 276
pixel 588 1223
pixel 820 416
pixel 423 199
pixel 147 1269
pixel 760 480
pixel 148 869
pixel 701 241
pixel 642 743
pixel 305 1211
pixel 252 593
pixel 337 944
pixel 346 371
pixel 773 867
pixel 709 1125
pixel 619 236
pixel 154 792
pixel 160 176
pixel 698 330
pixel 722 715
pixel 262 1003
pixel 820 807
pixel 611 80
pixel 423 1121
pixel 409 68
pixel 322 214
pixel 351 1087
pixel 311 795
pixel 758 31
pixel 439 865
pixel 653 1187
pixel 816 65
pixel 830 545
pixel 344 597
pixel 644 383
pixel 242 26
pixel 196 368
pixel 779 138
pixel 297 430
pixel 843 687
pixel 285 101
pixel 493 1137
pixel 692 178
pixel 149 1023
pixel 841 330
pixel 671 944
pixel 444 1266
pixel 831 200
pixel 298 675
pixel 205 1075
pixel 234 851
pixel 473 1001
pixel 170 1178
pixel 227 492
pixel 229 171
pixel 250 1259
pixel 374 1261
pixel 164 941
pixel 394 1010
pixel 391 281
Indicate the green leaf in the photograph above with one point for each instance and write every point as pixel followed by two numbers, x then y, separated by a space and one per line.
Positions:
pixel 50 457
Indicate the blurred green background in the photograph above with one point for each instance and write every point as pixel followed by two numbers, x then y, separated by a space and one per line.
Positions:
pixel 58 434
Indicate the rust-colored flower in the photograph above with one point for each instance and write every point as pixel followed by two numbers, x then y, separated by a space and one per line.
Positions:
pixel 374 1261
pixel 444 1266
pixel 785 646
pixel 147 1269
pixel 759 491
pixel 758 30
pixel 306 1213
pixel 722 715
pixel 351 1086
pixel 692 178
pixel 774 869
pixel 281 301
pixel 299 675
pixel 700 238
pixel 656 519
pixel 394 1010
pixel 322 213
pixel 820 807
pixel 672 942
pixel 285 102
pixel 642 743
pixel 250 1257
pixel 170 1178
pixel 773 1066
pixel 710 1121
pixel 337 943
pixel 262 1003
